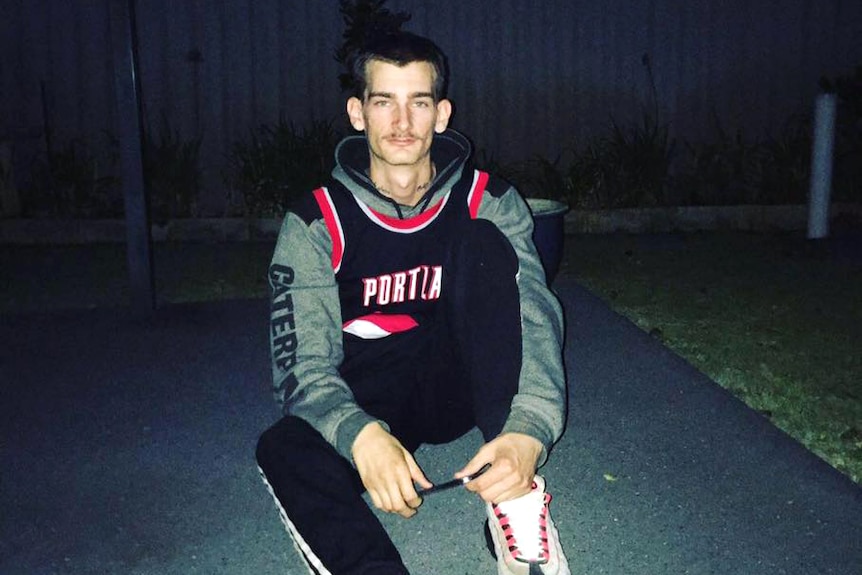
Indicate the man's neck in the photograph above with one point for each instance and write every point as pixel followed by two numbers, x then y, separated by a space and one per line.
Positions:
pixel 404 184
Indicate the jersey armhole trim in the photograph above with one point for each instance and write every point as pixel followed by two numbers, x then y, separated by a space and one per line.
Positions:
pixel 333 225
pixel 477 192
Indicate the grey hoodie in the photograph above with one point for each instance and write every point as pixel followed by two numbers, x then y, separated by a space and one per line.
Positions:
pixel 306 322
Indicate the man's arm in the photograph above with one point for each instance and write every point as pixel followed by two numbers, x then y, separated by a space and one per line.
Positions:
pixel 538 411
pixel 305 335
pixel 306 345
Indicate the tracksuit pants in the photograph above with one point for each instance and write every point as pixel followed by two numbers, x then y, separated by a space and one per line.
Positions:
pixel 431 384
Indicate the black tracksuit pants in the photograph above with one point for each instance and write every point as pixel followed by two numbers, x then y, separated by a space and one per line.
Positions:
pixel 431 384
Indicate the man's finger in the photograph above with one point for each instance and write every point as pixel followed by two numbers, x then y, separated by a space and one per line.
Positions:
pixel 502 491
pixel 475 465
pixel 400 504
pixel 386 499
pixel 415 503
pixel 493 478
pixel 398 490
pixel 408 494
pixel 416 474
pixel 375 499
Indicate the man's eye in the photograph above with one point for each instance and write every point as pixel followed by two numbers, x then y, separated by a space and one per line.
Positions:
pixel 381 103
pixel 422 104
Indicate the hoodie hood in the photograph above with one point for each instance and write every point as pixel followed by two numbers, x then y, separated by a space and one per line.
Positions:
pixel 449 152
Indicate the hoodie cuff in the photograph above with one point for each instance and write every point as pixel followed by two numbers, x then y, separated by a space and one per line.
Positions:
pixel 349 429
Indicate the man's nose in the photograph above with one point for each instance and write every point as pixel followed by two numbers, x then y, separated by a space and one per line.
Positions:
pixel 403 119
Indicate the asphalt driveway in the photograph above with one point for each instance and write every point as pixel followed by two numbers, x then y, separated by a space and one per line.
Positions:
pixel 126 446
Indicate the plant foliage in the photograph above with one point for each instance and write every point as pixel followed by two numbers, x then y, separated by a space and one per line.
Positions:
pixel 635 159
pixel 720 171
pixel 277 163
pixel 74 181
pixel 363 19
pixel 171 172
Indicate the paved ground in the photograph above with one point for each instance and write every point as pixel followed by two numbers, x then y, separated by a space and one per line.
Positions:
pixel 126 447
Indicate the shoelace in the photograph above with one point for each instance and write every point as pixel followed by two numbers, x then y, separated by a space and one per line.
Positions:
pixel 525 524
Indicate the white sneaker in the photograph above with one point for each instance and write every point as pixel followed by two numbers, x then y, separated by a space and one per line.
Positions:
pixel 525 539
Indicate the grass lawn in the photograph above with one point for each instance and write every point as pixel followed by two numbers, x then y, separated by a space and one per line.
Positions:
pixel 772 317
pixel 775 319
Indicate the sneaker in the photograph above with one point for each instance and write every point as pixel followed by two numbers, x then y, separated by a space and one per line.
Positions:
pixel 522 536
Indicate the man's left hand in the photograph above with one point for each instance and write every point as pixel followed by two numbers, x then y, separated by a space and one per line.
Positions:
pixel 513 458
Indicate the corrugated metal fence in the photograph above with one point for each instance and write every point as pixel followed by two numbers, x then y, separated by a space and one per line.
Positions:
pixel 527 77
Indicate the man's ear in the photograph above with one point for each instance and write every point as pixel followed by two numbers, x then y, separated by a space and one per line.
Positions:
pixel 444 112
pixel 354 113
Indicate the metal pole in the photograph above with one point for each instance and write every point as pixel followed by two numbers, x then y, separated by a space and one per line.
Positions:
pixel 821 167
pixel 127 87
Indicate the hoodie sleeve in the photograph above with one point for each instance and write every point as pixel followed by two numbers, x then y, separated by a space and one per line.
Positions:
pixel 305 334
pixel 539 407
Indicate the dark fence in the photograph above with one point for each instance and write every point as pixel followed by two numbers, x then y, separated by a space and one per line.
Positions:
pixel 527 77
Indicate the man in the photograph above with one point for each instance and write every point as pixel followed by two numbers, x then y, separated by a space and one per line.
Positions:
pixel 408 306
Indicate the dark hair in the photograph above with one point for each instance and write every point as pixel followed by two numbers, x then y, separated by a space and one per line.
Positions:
pixel 400 49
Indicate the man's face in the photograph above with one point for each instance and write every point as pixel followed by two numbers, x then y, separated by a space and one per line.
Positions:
pixel 399 115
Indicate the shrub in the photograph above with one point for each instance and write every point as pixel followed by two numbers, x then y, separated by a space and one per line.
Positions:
pixel 279 162
pixel 718 172
pixel 634 164
pixel 628 168
pixel 784 166
pixel 171 172
pixel 74 181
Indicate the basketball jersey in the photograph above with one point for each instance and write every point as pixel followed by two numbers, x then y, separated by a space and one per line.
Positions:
pixel 392 272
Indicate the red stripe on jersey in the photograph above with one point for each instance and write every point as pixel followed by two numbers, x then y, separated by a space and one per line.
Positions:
pixel 410 223
pixel 379 325
pixel 474 199
pixel 333 224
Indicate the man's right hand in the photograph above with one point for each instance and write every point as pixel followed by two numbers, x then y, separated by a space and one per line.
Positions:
pixel 388 471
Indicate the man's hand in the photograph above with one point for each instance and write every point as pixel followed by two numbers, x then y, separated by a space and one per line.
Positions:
pixel 513 458
pixel 388 471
